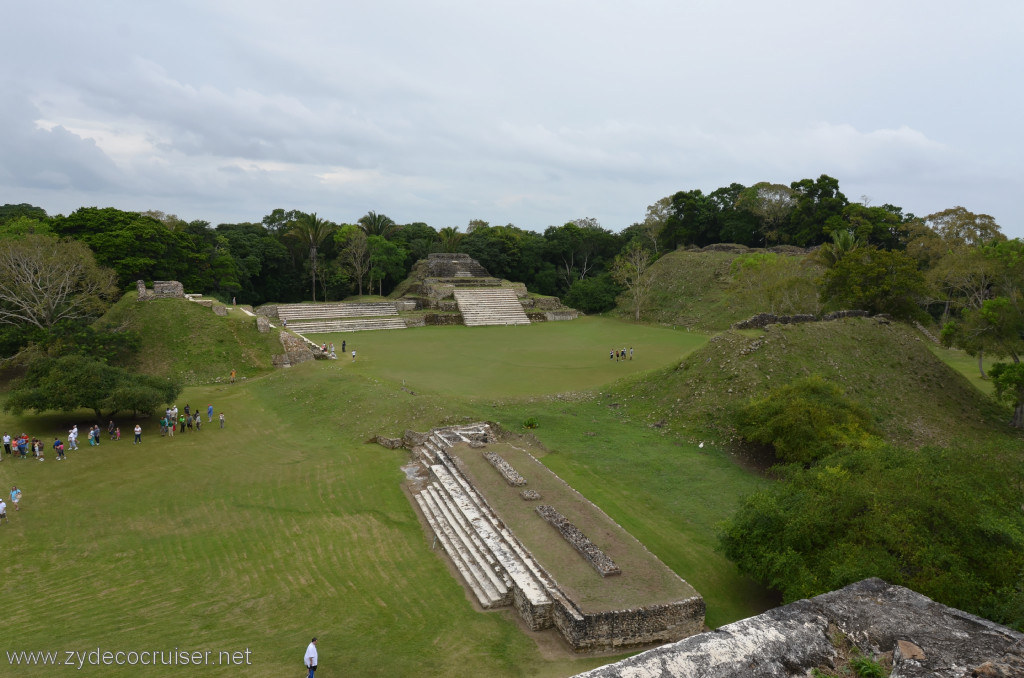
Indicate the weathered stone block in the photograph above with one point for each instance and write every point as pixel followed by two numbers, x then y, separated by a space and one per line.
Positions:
pixel 262 323
pixel 220 309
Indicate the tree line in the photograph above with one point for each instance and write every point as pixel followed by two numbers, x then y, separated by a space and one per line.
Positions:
pixel 954 267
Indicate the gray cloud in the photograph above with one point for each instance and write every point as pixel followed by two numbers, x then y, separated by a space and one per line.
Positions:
pixel 524 112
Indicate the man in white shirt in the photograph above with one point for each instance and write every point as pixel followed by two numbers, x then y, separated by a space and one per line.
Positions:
pixel 7 443
pixel 310 659
pixel 3 511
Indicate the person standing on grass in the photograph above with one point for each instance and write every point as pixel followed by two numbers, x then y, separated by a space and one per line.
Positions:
pixel 16 497
pixel 353 355
pixel 311 658
pixel 73 437
pixel 3 511
pixel 343 347
pixel 138 435
pixel 111 428
pixel 209 414
pixel 58 448
pixel 233 376
pixel 7 443
pixel 630 352
pixel 222 420
pixel 181 423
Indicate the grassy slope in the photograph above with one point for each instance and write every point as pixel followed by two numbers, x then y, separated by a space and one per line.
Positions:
pixel 187 340
pixel 915 397
pixel 287 524
pixel 691 290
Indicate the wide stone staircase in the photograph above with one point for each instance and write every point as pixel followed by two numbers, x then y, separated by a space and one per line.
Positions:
pixel 497 306
pixel 341 317
pixel 496 567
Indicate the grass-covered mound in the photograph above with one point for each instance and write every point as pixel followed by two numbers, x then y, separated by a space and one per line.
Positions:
pixel 701 290
pixel 189 342
pixel 914 397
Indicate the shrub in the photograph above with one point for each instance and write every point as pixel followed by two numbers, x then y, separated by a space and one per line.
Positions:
pixel 805 420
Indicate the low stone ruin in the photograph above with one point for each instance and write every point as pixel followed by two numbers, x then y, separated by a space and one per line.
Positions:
pixel 500 570
pixel 890 624
pixel 510 475
pixel 162 289
pixel 604 565
pixel 762 320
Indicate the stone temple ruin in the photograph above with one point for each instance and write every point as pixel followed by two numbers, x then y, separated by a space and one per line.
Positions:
pixel 562 564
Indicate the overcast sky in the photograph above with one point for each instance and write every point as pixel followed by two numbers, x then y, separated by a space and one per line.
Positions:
pixel 526 112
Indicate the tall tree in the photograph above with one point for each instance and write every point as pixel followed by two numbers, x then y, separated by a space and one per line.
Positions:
pixel 44 281
pixel 818 210
pixel 355 253
pixel 311 230
pixel 632 270
pixel 771 204
pixel 377 224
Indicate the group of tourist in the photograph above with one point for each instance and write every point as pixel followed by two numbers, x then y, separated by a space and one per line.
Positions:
pixel 618 355
pixel 186 420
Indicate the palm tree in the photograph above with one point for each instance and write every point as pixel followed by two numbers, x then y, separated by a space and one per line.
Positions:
pixel 450 238
pixel 312 231
pixel 377 224
pixel 843 242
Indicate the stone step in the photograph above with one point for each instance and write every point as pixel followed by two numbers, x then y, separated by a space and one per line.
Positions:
pixel 515 547
pixel 323 326
pixel 490 307
pixel 533 591
pixel 485 561
pixel 443 534
pixel 291 312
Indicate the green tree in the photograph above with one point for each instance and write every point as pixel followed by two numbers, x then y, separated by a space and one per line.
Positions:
pixel 958 226
pixel 311 231
pixel 354 257
pixel 387 262
pixel 819 210
pixel 45 281
pixel 874 280
pixel 632 270
pixel 944 522
pixel 771 204
pixel 75 381
pixel 843 242
pixel 377 224
pixel 691 221
pixel 595 294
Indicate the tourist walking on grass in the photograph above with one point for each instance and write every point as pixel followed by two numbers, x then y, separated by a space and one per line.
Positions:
pixel 222 420
pixel 138 435
pixel 353 355
pixel 111 429
pixel 310 659
pixel 209 414
pixel 233 376
pixel 58 448
pixel 73 437
pixel 3 511
pixel 16 497
pixel 7 443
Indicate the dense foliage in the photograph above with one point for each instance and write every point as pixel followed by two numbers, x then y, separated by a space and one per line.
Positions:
pixel 944 522
pixel 805 420
pixel 76 381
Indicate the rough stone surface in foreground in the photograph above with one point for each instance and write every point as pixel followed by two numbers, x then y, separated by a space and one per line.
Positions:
pixel 791 640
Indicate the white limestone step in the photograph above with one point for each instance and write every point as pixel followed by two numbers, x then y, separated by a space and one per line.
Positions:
pixel 484 559
pixel 325 326
pixel 521 575
pixel 485 598
pixel 514 546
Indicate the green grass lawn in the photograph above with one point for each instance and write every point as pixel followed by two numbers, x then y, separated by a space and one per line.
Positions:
pixel 287 524
pixel 495 362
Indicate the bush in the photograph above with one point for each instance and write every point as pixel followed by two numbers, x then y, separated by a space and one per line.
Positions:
pixel 805 420
pixel 593 295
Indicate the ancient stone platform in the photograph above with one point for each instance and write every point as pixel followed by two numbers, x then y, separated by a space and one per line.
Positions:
pixel 918 636
pixel 481 509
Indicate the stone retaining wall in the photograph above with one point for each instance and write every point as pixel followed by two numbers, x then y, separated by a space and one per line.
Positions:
pixel 630 627
pixel 443 319
pixel 162 289
pixel 762 320
pixel 600 561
